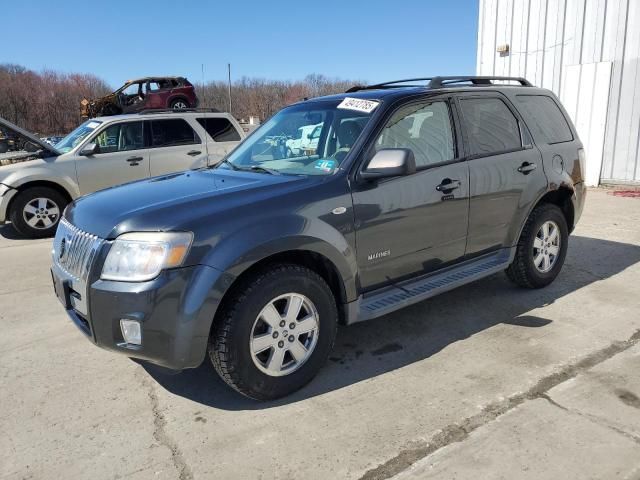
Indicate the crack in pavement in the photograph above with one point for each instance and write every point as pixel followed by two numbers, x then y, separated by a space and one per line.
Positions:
pixel 458 432
pixel 593 418
pixel 161 436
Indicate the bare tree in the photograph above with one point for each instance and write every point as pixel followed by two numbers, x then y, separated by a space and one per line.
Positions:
pixel 47 102
pixel 262 98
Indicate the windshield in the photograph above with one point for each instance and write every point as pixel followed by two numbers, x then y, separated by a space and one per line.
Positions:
pixel 72 140
pixel 311 138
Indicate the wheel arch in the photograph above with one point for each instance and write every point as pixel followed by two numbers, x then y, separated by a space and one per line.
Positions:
pixel 178 97
pixel 40 183
pixel 563 197
pixel 313 260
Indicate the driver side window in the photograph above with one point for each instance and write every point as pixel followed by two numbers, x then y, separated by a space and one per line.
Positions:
pixel 120 137
pixel 425 129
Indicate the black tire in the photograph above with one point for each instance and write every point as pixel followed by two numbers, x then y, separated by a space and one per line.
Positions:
pixel 522 270
pixel 229 343
pixel 23 198
pixel 178 101
pixel 4 146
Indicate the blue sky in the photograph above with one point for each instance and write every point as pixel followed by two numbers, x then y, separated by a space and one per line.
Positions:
pixel 371 40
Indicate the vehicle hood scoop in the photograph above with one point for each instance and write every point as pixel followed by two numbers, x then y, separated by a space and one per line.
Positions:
pixel 171 202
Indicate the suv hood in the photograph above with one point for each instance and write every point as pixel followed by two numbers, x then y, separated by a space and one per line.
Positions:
pixel 177 201
pixel 44 146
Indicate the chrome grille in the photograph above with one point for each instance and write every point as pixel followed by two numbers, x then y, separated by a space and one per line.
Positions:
pixel 74 250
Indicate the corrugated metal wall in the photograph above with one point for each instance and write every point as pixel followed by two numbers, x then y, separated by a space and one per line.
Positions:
pixel 548 37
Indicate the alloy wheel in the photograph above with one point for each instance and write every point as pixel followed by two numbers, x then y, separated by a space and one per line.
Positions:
pixel 41 213
pixel 546 246
pixel 284 334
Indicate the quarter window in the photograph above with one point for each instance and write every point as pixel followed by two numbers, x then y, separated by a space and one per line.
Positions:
pixel 491 126
pixel 120 137
pixel 220 129
pixel 172 132
pixel 545 119
pixel 425 129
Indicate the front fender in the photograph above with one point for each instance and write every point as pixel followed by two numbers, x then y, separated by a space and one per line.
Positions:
pixel 237 252
pixel 22 177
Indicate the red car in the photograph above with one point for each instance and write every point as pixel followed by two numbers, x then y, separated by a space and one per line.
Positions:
pixel 143 94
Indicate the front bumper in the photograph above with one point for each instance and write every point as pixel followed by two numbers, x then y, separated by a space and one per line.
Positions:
pixel 6 195
pixel 175 311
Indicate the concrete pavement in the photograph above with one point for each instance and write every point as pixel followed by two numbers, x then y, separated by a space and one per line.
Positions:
pixel 487 380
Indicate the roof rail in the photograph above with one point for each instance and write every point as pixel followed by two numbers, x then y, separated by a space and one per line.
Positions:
pixel 442 82
pixel 149 111
pixel 391 84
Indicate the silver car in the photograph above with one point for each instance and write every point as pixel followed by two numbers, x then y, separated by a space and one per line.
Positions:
pixel 36 183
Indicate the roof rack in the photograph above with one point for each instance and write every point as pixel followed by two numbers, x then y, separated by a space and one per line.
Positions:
pixel 149 111
pixel 442 82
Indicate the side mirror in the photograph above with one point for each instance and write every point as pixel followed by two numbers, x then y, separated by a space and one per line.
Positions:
pixel 390 162
pixel 90 149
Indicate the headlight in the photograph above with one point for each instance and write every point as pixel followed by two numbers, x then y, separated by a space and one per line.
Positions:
pixel 136 257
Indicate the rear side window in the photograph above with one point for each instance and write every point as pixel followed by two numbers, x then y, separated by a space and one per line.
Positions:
pixel 171 132
pixel 544 118
pixel 491 127
pixel 220 129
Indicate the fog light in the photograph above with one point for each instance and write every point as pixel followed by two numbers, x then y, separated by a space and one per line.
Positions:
pixel 131 331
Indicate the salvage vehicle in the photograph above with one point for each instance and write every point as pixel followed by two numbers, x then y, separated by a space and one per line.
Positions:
pixel 414 189
pixel 10 142
pixel 306 138
pixel 37 183
pixel 143 94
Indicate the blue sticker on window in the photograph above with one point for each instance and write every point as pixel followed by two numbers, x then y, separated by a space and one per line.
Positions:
pixel 325 165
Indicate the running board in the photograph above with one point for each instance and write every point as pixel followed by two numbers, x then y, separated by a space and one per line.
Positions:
pixel 403 294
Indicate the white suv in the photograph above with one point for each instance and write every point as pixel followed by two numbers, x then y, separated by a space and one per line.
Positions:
pixel 103 152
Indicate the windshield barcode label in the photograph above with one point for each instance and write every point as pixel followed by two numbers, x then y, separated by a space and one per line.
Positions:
pixel 358 104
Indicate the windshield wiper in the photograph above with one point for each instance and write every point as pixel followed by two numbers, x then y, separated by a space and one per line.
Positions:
pixel 252 168
pixel 258 168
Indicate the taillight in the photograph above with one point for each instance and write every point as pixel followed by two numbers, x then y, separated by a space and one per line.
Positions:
pixel 583 162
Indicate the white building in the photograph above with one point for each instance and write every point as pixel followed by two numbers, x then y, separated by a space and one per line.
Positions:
pixel 587 52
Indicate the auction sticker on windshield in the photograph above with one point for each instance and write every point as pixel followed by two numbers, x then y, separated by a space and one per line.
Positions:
pixel 358 104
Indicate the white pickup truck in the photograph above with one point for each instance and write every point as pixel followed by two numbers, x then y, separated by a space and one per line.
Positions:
pixel 37 182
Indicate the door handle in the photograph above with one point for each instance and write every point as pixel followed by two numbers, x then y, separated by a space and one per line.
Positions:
pixel 193 153
pixel 133 161
pixel 527 168
pixel 447 185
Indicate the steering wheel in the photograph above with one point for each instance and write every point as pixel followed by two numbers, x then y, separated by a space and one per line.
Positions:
pixel 343 151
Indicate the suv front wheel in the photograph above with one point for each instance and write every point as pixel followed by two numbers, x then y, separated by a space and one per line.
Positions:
pixel 275 333
pixel 36 211
pixel 542 248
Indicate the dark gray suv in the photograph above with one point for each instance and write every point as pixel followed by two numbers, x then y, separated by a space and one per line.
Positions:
pixel 413 188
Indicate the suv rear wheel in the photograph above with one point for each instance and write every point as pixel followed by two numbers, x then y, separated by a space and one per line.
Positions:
pixel 275 333
pixel 542 248
pixel 35 212
pixel 179 104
